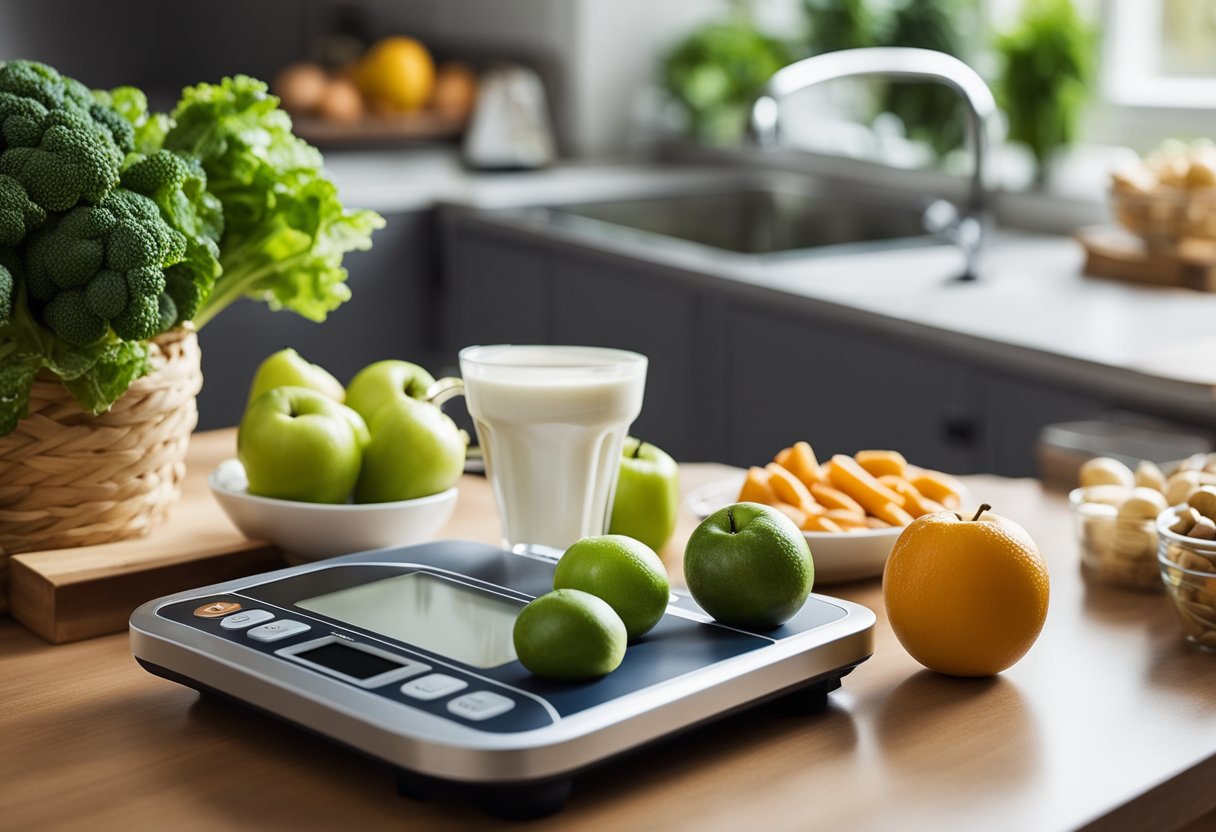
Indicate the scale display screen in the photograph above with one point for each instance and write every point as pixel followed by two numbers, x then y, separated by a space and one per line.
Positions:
pixel 350 661
pixel 447 618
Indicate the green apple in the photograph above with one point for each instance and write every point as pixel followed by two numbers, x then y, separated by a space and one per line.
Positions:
pixel 378 384
pixel 647 495
pixel 415 451
pixel 748 565
pixel 298 444
pixel 287 368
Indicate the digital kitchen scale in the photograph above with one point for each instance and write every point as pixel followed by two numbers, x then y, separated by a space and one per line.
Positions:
pixel 406 655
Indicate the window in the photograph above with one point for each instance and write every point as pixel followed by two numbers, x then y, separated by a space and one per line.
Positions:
pixel 1161 53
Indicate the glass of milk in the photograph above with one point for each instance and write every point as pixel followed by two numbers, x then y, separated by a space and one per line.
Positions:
pixel 550 421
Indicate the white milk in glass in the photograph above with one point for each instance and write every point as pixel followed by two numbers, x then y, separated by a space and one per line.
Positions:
pixel 551 421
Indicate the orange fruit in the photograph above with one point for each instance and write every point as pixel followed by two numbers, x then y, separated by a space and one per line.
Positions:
pixel 965 597
pixel 398 72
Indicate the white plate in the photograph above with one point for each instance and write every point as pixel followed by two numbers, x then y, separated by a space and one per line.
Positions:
pixel 838 556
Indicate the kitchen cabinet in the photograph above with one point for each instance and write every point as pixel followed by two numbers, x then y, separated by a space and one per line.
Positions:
pixel 1015 411
pixel 842 391
pixel 389 315
pixel 738 372
pixel 498 292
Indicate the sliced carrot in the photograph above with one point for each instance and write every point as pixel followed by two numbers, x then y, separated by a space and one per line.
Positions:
pixel 915 503
pixel 846 475
pixel 756 488
pixel 803 465
pixel 893 514
pixel 793 512
pixel 835 498
pixel 875 523
pixel 820 524
pixel 787 487
pixel 845 519
pixel 882 462
pixel 943 488
pixel 783 457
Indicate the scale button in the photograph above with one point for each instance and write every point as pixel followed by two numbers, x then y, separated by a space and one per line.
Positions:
pixel 246 619
pixel 479 705
pixel 276 630
pixel 433 686
pixel 216 609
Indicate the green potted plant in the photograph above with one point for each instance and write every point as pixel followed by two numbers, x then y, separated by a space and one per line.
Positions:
pixel 717 71
pixel 1046 65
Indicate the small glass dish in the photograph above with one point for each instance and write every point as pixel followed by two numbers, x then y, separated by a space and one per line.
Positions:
pixel 1117 552
pixel 1188 570
pixel 1166 215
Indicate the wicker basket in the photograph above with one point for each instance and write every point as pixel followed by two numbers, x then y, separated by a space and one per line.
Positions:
pixel 71 479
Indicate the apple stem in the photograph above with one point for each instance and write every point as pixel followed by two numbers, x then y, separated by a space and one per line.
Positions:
pixel 730 515
pixel 984 507
pixel 637 450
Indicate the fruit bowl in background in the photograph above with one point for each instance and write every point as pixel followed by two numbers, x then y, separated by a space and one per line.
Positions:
pixel 1166 216
pixel 312 531
pixel 838 556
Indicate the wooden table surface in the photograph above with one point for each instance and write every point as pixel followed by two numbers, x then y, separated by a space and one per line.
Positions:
pixel 1108 723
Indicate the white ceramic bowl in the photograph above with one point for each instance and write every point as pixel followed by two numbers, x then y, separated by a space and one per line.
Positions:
pixel 311 531
pixel 838 556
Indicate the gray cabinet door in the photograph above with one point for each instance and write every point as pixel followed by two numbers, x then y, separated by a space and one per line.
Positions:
pixel 1014 413
pixel 388 316
pixel 494 292
pixel 842 392
pixel 631 309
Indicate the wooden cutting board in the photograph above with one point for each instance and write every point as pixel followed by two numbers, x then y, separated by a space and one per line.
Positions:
pixel 70 594
pixel 1116 254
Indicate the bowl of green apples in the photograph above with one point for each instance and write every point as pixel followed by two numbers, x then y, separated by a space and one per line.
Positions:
pixel 323 470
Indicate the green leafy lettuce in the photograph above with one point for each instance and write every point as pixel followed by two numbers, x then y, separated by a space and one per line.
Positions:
pixel 285 229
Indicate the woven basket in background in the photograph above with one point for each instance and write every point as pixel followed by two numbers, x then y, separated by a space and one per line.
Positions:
pixel 71 479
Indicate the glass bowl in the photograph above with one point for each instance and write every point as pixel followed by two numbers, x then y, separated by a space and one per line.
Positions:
pixel 1164 216
pixel 1113 551
pixel 1188 570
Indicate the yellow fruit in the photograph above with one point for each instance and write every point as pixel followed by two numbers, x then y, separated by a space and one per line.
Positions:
pixel 398 72
pixel 966 597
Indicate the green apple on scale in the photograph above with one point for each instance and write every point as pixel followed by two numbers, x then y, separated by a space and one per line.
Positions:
pixel 298 444
pixel 287 368
pixel 748 565
pixel 378 384
pixel 622 571
pixel 415 450
pixel 647 495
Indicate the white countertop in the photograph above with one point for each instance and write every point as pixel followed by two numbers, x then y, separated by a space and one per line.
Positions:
pixel 1032 296
pixel 394 181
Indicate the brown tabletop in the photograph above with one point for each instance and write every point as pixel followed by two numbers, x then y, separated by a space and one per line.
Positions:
pixel 1108 723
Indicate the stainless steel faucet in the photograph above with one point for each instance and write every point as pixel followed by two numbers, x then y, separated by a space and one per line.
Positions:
pixel 966 230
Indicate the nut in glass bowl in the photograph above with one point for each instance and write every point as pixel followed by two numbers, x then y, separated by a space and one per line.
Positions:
pixel 1188 570
pixel 1115 549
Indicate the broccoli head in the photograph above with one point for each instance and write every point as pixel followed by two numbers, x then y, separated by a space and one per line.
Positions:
pixel 8 283
pixel 18 214
pixel 59 146
pixel 102 266
pixel 178 186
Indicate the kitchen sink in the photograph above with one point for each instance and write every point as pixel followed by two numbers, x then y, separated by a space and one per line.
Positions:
pixel 758 219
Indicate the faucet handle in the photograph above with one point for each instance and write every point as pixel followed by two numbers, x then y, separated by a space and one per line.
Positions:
pixel 766 118
pixel 943 220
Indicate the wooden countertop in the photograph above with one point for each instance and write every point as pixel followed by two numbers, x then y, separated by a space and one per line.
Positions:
pixel 1108 723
